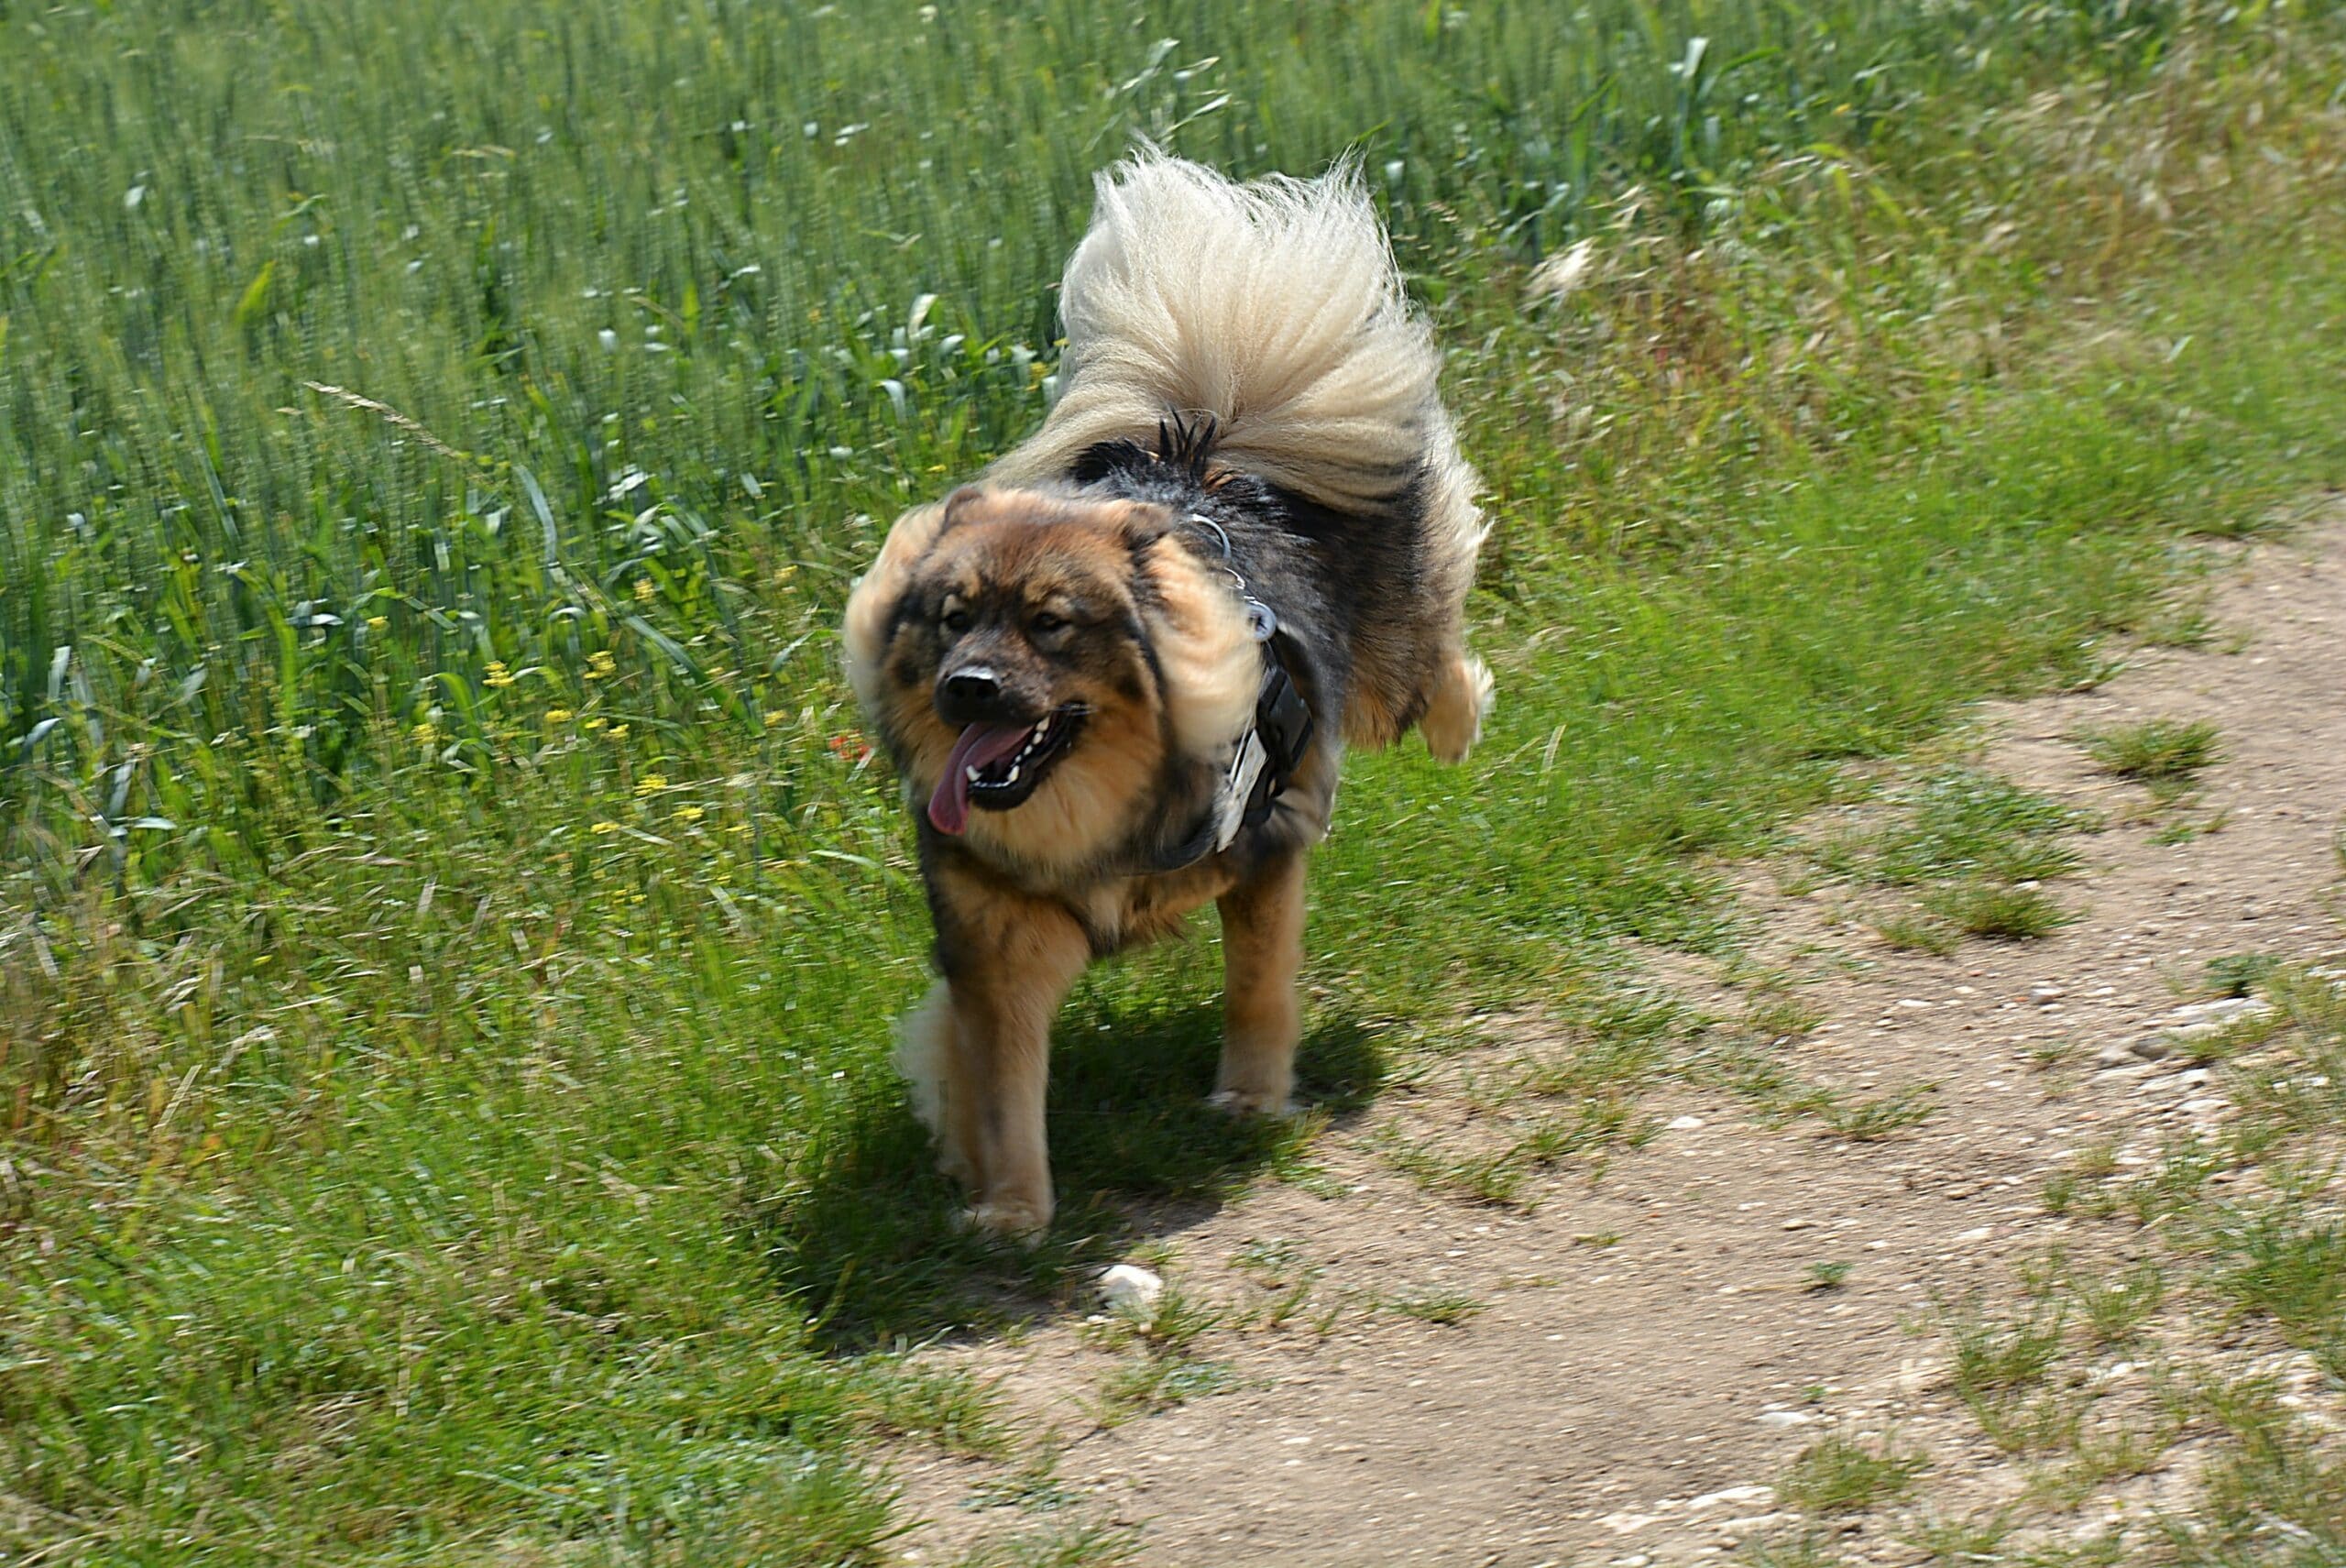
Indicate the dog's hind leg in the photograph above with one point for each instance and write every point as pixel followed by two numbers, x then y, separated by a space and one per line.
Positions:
pixel 1262 949
pixel 1456 704
pixel 1005 979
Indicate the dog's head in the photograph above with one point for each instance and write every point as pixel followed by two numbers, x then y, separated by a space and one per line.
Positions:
pixel 1053 675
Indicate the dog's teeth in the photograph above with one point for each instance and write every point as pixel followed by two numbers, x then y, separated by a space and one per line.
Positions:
pixel 1012 777
pixel 1043 729
pixel 969 774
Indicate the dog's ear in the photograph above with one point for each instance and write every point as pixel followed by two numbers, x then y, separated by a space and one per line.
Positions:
pixel 961 506
pixel 1143 524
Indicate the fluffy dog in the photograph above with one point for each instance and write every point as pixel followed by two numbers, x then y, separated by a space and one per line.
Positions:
pixel 1118 672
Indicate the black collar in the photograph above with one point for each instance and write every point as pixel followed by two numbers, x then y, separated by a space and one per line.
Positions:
pixel 1272 749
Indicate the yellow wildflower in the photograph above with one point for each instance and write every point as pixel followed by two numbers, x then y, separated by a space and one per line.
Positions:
pixel 650 783
pixel 497 677
pixel 689 814
pixel 377 622
pixel 616 732
pixel 600 666
pixel 559 715
pixel 605 827
pixel 644 590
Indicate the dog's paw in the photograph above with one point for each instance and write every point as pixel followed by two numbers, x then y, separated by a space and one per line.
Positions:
pixel 1454 719
pixel 1252 1103
pixel 1009 1220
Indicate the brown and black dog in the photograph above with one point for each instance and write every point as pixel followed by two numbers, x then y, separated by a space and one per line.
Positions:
pixel 1119 671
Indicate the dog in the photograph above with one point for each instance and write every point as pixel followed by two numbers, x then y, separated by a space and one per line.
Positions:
pixel 1117 673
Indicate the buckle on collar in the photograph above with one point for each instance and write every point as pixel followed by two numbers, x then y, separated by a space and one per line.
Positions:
pixel 1269 754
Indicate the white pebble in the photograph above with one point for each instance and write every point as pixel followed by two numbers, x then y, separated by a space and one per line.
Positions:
pixel 1127 1285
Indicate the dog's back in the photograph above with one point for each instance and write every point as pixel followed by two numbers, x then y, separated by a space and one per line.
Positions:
pixel 1275 310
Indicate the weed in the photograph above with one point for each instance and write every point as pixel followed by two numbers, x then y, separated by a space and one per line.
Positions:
pixel 1155 1381
pixel 1090 1544
pixel 1960 1543
pixel 1827 1276
pixel 1798 1551
pixel 1915 933
pixel 2116 1305
pixel 2181 829
pixel 1883 1115
pixel 1993 1357
pixel 2059 1195
pixel 1836 1475
pixel 1446 1307
pixel 1495 1176
pixel 1034 1487
pixel 2161 752
pixel 1275 1261
pixel 2286 1264
pixel 1778 1016
pixel 952 1409
pixel 2044 1056
pixel 1992 909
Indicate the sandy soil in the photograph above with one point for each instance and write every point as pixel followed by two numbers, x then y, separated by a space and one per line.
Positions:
pixel 1632 1399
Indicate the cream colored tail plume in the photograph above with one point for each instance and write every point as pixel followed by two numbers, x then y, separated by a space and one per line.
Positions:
pixel 1276 308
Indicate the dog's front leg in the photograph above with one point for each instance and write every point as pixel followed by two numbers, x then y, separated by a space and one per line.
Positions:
pixel 1262 949
pixel 1007 962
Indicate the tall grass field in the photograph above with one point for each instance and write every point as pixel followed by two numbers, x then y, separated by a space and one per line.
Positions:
pixel 449 914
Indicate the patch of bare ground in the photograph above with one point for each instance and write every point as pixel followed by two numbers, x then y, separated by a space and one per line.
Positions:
pixel 1689 1326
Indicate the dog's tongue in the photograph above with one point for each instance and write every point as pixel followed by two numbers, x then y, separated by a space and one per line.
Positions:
pixel 981 746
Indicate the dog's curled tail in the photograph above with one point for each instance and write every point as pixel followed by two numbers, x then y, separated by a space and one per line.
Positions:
pixel 1274 308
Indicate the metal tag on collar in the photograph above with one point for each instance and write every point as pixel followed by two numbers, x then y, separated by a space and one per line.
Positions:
pixel 1260 621
pixel 1237 789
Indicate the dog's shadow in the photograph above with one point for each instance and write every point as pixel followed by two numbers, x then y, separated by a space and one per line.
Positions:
pixel 867 1234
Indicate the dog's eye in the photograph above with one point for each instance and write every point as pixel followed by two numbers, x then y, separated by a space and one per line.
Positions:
pixel 957 620
pixel 1046 623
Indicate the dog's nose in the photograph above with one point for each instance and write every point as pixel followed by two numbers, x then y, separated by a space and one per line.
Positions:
pixel 971 694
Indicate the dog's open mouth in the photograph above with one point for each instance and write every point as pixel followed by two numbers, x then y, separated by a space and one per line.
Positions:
pixel 997 766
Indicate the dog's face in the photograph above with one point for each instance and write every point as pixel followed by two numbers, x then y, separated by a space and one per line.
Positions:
pixel 1040 667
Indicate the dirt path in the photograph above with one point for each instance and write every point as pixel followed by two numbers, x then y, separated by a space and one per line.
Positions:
pixel 1637 1361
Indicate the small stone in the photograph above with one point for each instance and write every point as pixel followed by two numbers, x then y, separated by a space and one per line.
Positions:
pixel 1684 1124
pixel 1779 1419
pixel 2223 1010
pixel 2150 1047
pixel 1731 1495
pixel 1919 1375
pixel 1129 1287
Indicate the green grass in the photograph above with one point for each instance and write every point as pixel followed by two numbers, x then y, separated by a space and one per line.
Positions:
pixel 1974 846
pixel 451 910
pixel 1963 822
